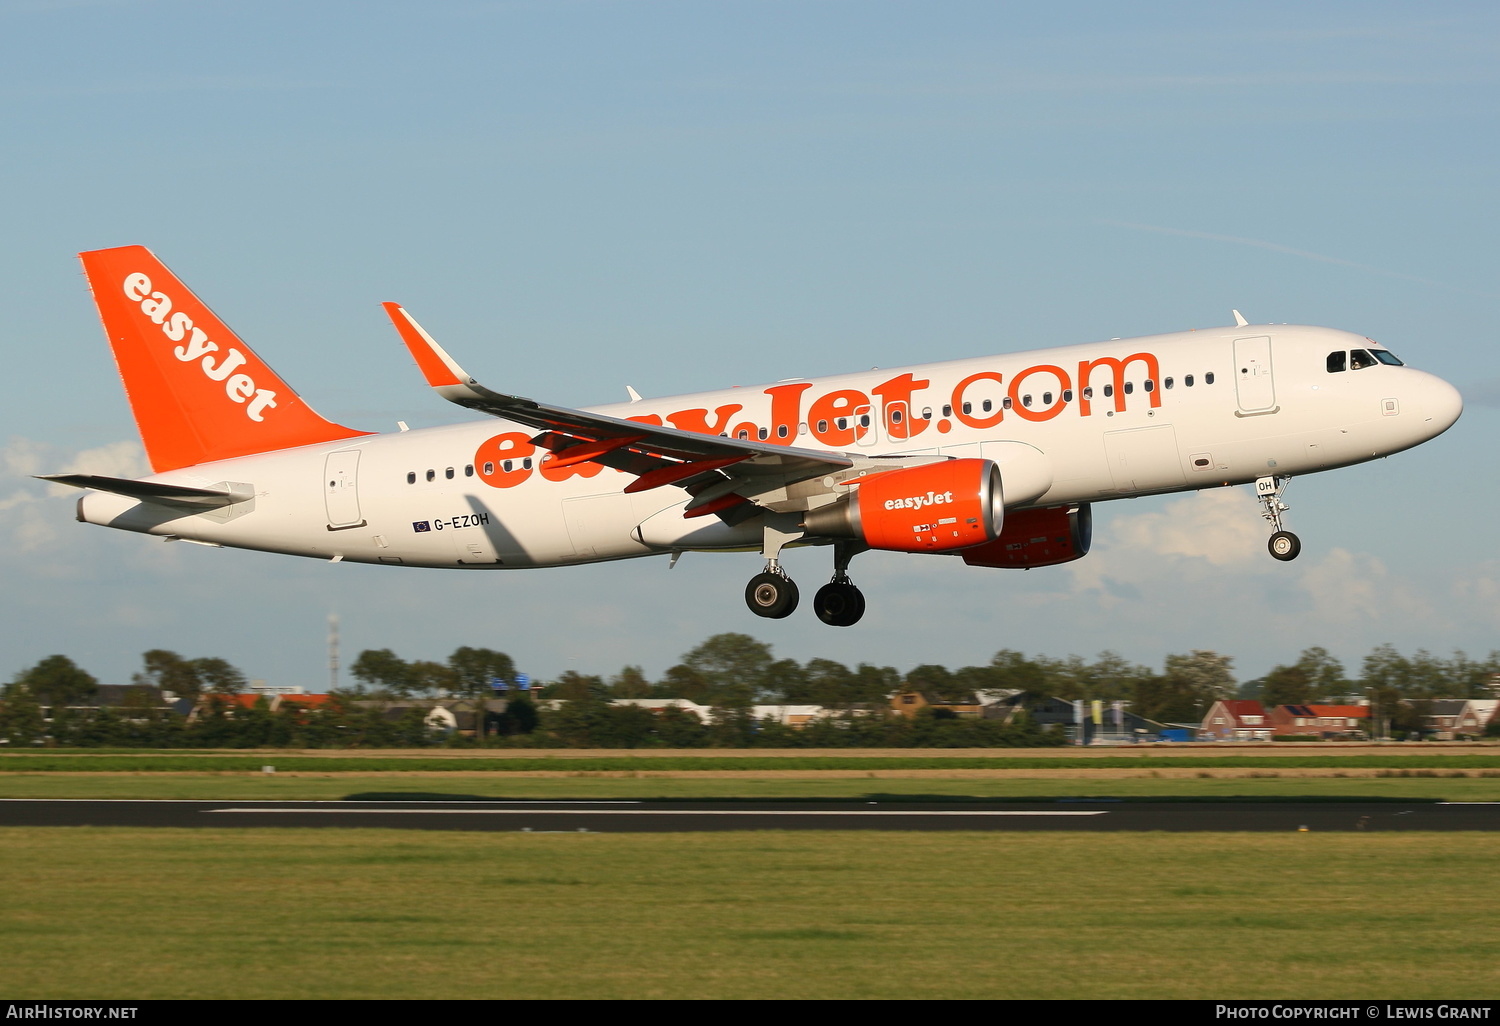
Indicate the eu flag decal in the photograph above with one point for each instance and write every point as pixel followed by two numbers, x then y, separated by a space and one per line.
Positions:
pixel 422 525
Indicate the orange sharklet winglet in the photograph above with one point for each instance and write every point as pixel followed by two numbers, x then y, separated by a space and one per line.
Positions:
pixel 435 364
pixel 679 472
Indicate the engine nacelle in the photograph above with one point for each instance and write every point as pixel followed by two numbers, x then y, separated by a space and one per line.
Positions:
pixel 937 507
pixel 1038 537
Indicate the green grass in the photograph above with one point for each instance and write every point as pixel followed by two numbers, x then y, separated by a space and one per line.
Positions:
pixel 83 761
pixel 260 787
pixel 354 913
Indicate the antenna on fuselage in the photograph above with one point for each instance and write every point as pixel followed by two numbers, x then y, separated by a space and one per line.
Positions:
pixel 1239 319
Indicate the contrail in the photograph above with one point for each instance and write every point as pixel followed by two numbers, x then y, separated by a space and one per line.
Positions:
pixel 1278 248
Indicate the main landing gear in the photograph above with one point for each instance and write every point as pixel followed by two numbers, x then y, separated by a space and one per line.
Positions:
pixel 1284 545
pixel 772 594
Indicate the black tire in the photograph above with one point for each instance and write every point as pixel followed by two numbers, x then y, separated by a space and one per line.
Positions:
pixel 1284 545
pixel 771 596
pixel 839 605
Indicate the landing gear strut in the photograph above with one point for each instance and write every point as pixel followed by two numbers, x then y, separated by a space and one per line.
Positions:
pixel 1284 545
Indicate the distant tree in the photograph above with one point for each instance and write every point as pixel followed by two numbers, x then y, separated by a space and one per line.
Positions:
pixel 21 720
pixel 1286 685
pixel 57 681
pixel 734 666
pixel 874 685
pixel 684 682
pixel 1011 669
pixel 1315 677
pixel 519 717
pixel 433 678
pixel 785 681
pixel 168 671
pixel 936 681
pixel 829 684
pixel 473 669
pixel 630 683
pixel 577 687
pixel 218 677
pixel 385 671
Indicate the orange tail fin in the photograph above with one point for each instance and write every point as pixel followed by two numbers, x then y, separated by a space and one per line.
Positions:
pixel 198 393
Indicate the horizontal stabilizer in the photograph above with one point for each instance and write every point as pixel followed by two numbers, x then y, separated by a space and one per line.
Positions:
pixel 155 491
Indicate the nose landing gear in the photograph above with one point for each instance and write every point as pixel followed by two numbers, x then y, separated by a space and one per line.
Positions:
pixel 1284 545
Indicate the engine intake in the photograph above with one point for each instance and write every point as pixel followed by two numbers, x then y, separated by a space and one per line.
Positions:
pixel 937 507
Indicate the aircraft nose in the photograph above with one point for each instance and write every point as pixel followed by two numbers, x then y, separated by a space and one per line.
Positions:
pixel 1441 405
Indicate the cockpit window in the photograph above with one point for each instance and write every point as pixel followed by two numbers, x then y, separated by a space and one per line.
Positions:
pixel 1337 361
pixel 1387 357
pixel 1359 359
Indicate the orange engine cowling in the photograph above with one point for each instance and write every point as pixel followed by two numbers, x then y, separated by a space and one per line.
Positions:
pixel 1038 537
pixel 937 507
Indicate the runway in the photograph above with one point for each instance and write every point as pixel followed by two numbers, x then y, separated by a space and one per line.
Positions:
pixel 624 816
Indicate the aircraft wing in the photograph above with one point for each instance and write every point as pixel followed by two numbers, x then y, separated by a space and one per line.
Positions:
pixel 657 455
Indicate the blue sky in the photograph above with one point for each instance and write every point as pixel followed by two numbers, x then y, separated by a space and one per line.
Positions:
pixel 576 196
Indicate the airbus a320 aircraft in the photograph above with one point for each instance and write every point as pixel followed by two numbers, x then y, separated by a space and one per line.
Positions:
pixel 995 460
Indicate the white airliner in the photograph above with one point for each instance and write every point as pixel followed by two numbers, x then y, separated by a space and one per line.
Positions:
pixel 995 460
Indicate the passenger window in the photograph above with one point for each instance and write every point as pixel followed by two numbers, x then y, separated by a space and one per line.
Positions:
pixel 411 478
pixel 864 420
pixel 469 470
pixel 1150 385
pixel 843 423
pixel 526 463
pixel 1337 362
pixel 986 406
pixel 1129 387
pixel 448 473
pixel 1360 359
pixel 763 434
pixel 1026 401
pixel 927 413
pixel 822 426
pixel 507 465
pixel 895 416
pixel 743 435
pixel 1088 392
pixel 1046 398
pixel 1109 390
pixel 1208 377
pixel 947 410
pixel 1167 383
pixel 432 475
pixel 781 431
pixel 1006 403
pixel 1188 381
pixel 489 469
pixel 1067 395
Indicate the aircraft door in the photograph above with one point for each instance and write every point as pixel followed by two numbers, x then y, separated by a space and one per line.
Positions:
pixel 1253 384
pixel 341 489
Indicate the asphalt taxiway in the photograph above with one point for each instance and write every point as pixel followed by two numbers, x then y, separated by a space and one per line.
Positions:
pixel 618 816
